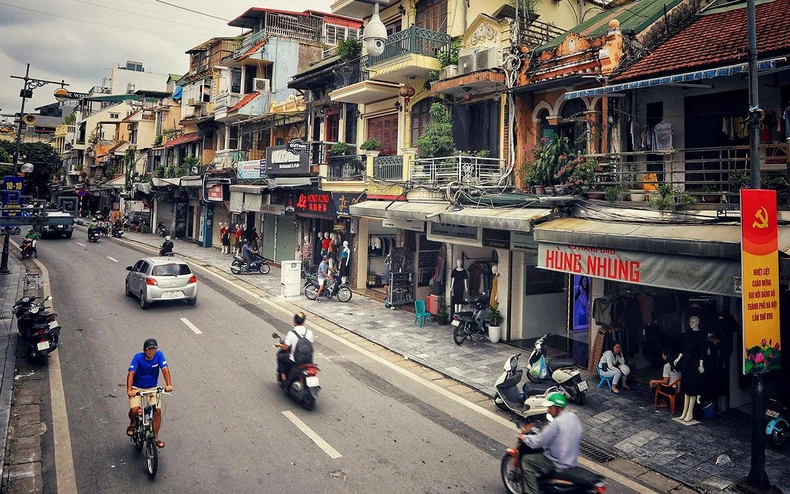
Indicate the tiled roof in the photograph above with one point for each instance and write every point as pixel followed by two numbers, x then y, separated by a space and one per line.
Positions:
pixel 184 139
pixel 634 17
pixel 718 39
pixel 252 50
pixel 246 99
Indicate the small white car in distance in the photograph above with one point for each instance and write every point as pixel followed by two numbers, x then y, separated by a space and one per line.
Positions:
pixel 155 279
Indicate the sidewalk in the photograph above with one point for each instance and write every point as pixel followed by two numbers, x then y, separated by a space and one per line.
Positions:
pixel 622 425
pixel 12 287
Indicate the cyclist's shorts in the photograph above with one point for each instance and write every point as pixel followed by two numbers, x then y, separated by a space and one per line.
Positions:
pixel 135 401
pixel 321 281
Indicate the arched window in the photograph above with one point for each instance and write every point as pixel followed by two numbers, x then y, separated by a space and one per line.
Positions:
pixel 573 124
pixel 544 128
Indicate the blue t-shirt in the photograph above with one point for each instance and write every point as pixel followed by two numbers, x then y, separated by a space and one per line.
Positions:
pixel 146 372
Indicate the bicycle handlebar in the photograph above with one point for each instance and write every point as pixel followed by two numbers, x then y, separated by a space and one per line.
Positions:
pixel 158 390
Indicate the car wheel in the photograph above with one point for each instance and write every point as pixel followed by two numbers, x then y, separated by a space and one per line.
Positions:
pixel 191 301
pixel 143 304
pixel 126 289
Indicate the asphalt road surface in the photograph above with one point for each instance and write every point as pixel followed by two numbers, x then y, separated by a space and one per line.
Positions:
pixel 227 425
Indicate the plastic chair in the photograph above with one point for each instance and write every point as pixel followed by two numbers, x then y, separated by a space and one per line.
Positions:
pixel 670 392
pixel 420 314
pixel 607 380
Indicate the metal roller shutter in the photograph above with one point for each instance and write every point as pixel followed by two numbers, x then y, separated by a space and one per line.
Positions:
pixel 286 238
pixel 269 231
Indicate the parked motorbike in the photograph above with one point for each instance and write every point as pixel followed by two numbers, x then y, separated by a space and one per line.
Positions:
pixel 777 428
pixel 23 305
pixel 28 248
pixel 564 372
pixel 161 230
pixel 39 330
pixel 302 385
pixel 117 232
pixel 576 480
pixel 259 264
pixel 93 234
pixel 332 288
pixel 527 402
pixel 468 323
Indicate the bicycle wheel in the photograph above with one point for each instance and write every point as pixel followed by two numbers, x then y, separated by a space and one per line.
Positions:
pixel 151 455
pixel 344 294
pixel 310 291
pixel 138 439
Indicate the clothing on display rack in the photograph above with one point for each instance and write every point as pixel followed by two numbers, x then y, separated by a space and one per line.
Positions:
pixel 662 136
pixel 603 310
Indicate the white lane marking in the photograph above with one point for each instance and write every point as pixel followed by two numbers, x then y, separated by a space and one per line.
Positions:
pixel 113 260
pixel 590 465
pixel 81 245
pixel 190 325
pixel 332 452
pixel 64 459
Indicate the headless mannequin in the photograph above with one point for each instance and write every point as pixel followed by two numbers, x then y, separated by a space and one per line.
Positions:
pixel 457 290
pixel 692 365
pixel 345 261
pixel 494 301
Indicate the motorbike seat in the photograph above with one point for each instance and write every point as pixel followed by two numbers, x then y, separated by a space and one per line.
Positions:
pixel 561 362
pixel 577 475
pixel 531 389
pixel 306 366
pixel 465 313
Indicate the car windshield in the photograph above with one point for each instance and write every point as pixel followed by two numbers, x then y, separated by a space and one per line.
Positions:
pixel 171 270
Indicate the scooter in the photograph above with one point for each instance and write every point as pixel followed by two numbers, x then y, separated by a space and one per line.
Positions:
pixel 527 402
pixel 576 480
pixel 468 323
pixel 259 264
pixel 777 428
pixel 302 385
pixel 93 235
pixel 564 372
pixel 28 248
pixel 117 232
pixel 39 331
pixel 23 305
pixel 332 288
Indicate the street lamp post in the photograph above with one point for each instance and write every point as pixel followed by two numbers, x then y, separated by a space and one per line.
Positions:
pixel 27 92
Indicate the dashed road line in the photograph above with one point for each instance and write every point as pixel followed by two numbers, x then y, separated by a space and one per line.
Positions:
pixel 81 245
pixel 190 325
pixel 318 440
pixel 113 260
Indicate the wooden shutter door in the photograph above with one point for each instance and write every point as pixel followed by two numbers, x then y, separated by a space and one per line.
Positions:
pixel 385 130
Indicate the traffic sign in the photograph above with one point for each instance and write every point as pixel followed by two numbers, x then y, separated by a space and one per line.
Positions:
pixel 81 192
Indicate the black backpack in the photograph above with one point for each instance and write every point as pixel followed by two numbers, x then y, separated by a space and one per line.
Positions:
pixel 303 353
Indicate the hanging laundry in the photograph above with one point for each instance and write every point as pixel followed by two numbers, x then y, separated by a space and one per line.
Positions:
pixel 663 135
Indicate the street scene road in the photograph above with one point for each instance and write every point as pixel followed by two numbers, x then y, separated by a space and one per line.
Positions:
pixel 228 427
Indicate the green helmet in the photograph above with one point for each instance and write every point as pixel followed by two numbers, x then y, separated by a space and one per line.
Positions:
pixel 556 400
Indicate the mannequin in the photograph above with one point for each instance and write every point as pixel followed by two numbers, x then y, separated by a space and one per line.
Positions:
pixel 345 260
pixel 494 301
pixel 326 242
pixel 307 251
pixel 691 357
pixel 459 285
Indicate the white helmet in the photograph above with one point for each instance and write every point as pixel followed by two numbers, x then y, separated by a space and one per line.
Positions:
pixel 167 238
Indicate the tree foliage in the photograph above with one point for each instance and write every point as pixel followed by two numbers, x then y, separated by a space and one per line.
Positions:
pixel 437 140
pixel 44 158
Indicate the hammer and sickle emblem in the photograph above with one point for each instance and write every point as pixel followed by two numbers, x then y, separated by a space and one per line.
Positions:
pixel 762 219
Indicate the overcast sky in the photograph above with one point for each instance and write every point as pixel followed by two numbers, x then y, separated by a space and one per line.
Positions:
pixel 79 41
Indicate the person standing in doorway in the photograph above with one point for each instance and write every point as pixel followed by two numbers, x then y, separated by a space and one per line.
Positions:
pixel 254 238
pixel 225 235
pixel 237 235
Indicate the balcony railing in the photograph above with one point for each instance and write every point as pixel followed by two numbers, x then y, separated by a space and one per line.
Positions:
pixel 715 172
pixel 467 170
pixel 533 33
pixel 350 72
pixel 347 168
pixel 299 27
pixel 415 40
pixel 388 167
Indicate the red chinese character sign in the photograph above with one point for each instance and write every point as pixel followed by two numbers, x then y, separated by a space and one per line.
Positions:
pixel 314 204
pixel 760 274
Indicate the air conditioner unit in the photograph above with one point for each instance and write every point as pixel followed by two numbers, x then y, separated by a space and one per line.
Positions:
pixel 466 60
pixel 261 85
pixel 488 58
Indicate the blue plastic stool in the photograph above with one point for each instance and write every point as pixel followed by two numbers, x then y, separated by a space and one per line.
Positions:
pixel 607 380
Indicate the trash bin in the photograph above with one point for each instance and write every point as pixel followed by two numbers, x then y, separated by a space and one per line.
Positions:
pixel 432 304
pixel 290 278
pixel 708 410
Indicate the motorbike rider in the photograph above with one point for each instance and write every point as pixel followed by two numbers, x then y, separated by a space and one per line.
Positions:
pixel 323 274
pixel 285 359
pixel 247 253
pixel 167 247
pixel 144 376
pixel 561 440
pixel 93 226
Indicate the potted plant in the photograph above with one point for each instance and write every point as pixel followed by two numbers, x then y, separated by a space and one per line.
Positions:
pixel 448 60
pixel 437 139
pixel 349 49
pixel 442 315
pixel 613 193
pixel 710 194
pixel 494 324
pixel 340 149
pixel 670 198
pixel 371 145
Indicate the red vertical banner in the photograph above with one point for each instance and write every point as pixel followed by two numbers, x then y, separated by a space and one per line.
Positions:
pixel 760 271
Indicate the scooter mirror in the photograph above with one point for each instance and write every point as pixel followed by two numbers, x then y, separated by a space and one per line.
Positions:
pixel 549 417
pixel 48 297
pixel 275 335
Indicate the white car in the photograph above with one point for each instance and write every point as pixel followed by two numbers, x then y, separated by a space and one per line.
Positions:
pixel 154 279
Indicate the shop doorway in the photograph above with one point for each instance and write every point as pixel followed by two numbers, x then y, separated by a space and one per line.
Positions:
pixel 191 222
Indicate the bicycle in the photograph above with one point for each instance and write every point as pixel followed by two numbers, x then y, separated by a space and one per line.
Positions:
pixel 143 437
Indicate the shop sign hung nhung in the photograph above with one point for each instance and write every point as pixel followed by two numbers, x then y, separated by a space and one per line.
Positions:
pixel 706 275
pixel 760 267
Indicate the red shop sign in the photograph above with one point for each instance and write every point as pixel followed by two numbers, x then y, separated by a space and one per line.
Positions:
pixel 315 204
pixel 215 192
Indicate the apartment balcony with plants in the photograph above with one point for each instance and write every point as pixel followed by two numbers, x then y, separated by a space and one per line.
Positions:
pixel 411 53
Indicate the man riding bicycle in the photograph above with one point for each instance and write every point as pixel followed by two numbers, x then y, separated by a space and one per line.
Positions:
pixel 144 376
pixel 561 440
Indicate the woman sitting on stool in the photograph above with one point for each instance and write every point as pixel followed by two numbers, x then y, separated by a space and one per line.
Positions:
pixel 612 366
pixel 670 376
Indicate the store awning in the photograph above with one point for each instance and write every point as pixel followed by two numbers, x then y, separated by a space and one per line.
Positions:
pixel 164 182
pixel 494 218
pixel 698 75
pixel 192 181
pixel 707 240
pixel 184 139
pixel 247 189
pixel 290 182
